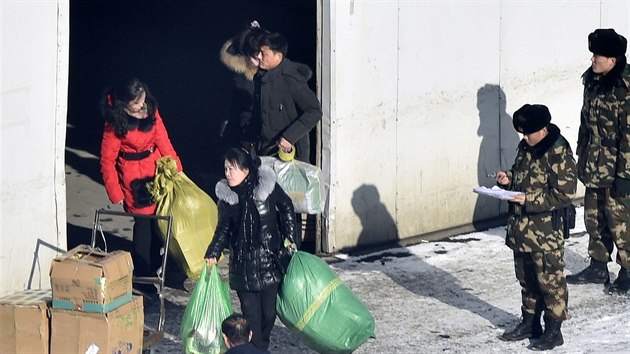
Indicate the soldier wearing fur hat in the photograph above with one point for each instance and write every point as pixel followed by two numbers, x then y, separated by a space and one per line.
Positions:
pixel 603 151
pixel 544 173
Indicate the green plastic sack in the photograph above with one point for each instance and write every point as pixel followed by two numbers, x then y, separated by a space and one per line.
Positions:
pixel 195 215
pixel 319 309
pixel 208 306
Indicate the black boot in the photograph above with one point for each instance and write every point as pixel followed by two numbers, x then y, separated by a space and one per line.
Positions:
pixel 552 337
pixel 528 328
pixel 621 285
pixel 596 273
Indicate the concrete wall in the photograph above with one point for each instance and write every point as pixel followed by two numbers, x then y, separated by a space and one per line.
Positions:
pixel 33 104
pixel 419 102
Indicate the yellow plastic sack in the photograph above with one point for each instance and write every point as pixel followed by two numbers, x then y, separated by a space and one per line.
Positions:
pixel 195 215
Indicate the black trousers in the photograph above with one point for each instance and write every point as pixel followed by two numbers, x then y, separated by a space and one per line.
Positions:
pixel 145 247
pixel 259 308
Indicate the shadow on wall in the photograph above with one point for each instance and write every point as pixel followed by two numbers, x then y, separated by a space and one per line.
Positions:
pixel 429 281
pixel 377 224
pixel 496 151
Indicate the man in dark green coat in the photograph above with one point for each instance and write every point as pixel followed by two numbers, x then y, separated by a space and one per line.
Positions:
pixel 544 173
pixel 603 151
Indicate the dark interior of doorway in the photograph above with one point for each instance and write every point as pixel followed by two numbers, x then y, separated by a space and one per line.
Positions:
pixel 173 46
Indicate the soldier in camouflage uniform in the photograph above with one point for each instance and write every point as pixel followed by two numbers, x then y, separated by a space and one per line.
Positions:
pixel 603 151
pixel 544 171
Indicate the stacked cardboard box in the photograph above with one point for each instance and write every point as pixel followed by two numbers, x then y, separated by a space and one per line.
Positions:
pixel 25 322
pixel 90 280
pixel 93 308
pixel 118 331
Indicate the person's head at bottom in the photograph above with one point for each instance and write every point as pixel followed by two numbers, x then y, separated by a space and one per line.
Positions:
pixel 236 331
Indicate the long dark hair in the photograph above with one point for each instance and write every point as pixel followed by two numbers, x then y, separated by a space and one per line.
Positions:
pixel 605 83
pixel 245 42
pixel 115 100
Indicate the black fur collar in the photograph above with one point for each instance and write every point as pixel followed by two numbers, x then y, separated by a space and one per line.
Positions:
pixel 606 83
pixel 544 145
pixel 144 125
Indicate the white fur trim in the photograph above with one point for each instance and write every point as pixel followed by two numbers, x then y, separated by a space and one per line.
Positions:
pixel 266 183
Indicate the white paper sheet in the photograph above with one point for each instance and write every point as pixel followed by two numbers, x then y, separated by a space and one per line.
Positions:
pixel 496 192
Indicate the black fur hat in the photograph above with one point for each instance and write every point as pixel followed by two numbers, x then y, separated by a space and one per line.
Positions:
pixel 606 42
pixel 531 118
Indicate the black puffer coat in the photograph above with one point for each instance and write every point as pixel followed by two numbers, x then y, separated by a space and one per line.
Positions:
pixel 252 265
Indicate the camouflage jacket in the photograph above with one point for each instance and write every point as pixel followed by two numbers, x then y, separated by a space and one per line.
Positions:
pixel 546 174
pixel 603 146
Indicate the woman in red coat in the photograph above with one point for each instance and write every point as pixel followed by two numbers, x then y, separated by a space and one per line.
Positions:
pixel 134 138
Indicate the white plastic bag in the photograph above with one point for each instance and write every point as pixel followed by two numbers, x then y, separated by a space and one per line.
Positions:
pixel 302 182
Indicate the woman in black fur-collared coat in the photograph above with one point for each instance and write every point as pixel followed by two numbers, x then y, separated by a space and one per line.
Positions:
pixel 255 217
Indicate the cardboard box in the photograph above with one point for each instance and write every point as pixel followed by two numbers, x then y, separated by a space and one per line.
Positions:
pixel 119 331
pixel 90 280
pixel 25 322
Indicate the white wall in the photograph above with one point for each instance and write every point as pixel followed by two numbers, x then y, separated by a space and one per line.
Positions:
pixel 33 105
pixel 420 99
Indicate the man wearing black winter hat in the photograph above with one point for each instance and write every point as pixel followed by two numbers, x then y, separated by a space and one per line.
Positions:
pixel 603 151
pixel 531 118
pixel 544 173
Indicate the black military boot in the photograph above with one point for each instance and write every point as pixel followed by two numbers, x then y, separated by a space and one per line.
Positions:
pixel 621 285
pixel 596 273
pixel 552 337
pixel 528 328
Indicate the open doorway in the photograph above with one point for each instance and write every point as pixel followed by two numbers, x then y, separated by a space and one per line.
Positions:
pixel 173 47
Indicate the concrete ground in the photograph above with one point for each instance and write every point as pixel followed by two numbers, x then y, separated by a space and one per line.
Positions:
pixel 451 296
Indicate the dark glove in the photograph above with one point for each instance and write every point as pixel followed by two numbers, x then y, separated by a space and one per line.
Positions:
pixel 621 188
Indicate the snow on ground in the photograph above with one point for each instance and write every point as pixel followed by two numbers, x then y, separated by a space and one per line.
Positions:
pixel 452 296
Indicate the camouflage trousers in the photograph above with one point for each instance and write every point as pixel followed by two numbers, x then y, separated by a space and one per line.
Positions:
pixel 607 221
pixel 543 286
